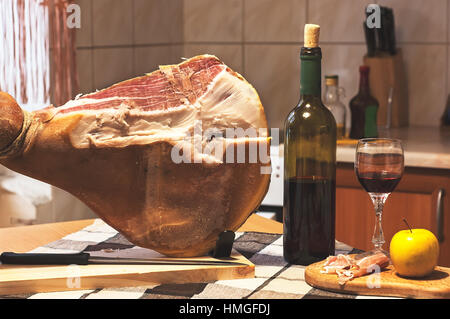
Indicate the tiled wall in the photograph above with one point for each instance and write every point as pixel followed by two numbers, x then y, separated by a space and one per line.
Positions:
pixel 119 39
pixel 261 39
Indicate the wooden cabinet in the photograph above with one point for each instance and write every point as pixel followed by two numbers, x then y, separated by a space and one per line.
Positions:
pixel 422 197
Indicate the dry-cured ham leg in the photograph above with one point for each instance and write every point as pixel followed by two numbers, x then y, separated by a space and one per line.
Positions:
pixel 133 154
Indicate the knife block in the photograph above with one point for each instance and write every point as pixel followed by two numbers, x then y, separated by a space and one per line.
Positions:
pixel 388 71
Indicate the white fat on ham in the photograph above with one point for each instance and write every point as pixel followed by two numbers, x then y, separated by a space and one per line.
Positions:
pixel 229 102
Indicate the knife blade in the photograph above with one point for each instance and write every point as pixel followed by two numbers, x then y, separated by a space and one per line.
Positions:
pixel 83 258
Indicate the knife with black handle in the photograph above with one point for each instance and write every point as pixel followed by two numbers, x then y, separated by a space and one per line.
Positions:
pixel 44 259
pixel 370 39
pixel 381 39
pixel 390 32
pixel 86 259
pixel 382 45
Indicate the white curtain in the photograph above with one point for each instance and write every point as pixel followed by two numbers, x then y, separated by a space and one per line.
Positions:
pixel 24 52
pixel 25 75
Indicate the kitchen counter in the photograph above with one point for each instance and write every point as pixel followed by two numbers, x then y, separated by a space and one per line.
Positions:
pixel 425 147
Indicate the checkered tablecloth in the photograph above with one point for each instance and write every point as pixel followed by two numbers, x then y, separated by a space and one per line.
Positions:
pixel 274 278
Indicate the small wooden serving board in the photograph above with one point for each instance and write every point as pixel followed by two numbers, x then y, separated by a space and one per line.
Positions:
pixel 385 283
pixel 20 279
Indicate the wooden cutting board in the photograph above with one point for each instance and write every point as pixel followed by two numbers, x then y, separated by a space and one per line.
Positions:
pixel 385 283
pixel 18 279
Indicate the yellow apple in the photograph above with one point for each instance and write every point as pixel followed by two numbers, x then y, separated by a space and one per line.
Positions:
pixel 414 253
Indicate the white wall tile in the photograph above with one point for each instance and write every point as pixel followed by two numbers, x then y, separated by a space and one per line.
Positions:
pixel 112 65
pixel 112 22
pixel 84 69
pixel 158 21
pixel 340 21
pixel 84 33
pixel 274 71
pixel 426 76
pixel 274 20
pixel 418 20
pixel 212 20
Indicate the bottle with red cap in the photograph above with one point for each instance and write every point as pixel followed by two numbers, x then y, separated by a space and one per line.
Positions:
pixel 364 108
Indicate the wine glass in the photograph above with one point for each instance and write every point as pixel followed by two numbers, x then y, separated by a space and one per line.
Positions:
pixel 379 166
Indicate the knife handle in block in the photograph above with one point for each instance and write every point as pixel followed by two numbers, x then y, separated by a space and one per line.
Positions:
pixel 44 258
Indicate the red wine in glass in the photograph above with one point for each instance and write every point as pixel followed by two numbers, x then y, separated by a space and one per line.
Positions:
pixel 379 183
pixel 379 167
pixel 379 173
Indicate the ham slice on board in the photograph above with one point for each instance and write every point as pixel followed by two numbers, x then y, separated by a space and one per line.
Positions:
pixel 151 155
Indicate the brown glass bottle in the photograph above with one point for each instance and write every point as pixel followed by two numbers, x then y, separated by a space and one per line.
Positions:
pixel 364 108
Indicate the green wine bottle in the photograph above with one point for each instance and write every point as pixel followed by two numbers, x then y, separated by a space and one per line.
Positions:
pixel 309 166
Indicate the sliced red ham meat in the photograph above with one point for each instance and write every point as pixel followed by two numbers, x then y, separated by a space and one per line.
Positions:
pixel 153 156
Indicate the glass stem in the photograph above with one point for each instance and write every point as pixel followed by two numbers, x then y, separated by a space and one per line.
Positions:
pixel 378 202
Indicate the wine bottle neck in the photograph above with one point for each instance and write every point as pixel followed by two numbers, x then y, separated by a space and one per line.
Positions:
pixel 364 87
pixel 311 72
